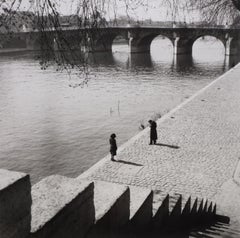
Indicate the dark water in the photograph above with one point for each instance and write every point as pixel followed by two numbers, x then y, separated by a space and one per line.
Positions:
pixel 47 127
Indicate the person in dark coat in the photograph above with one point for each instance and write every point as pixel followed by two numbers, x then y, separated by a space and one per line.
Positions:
pixel 153 132
pixel 113 146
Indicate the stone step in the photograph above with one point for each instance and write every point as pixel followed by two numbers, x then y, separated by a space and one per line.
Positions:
pixel 211 208
pixel 201 206
pixel 186 205
pixel 209 234
pixel 221 219
pixel 175 205
pixel 15 204
pixel 166 208
pixel 215 209
pixel 217 230
pixel 175 210
pixel 206 205
pixel 222 224
pixel 221 232
pixel 220 228
pixel 197 206
pixel 62 207
pixel 203 211
pixel 212 232
pixel 208 212
pixel 158 198
pixel 183 217
pixel 141 206
pixel 199 235
pixel 227 228
pixel 160 209
pixel 111 202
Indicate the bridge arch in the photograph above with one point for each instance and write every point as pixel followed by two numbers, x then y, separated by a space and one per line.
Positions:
pixel 143 43
pixel 232 46
pixel 162 49
pixel 120 44
pixel 215 46
pixel 221 38
pixel 184 45
pixel 103 41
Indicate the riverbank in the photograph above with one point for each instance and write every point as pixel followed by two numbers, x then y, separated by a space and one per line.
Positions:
pixel 197 151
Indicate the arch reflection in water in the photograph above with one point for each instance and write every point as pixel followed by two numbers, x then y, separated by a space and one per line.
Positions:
pixel 142 60
pixel 183 62
pixel 101 59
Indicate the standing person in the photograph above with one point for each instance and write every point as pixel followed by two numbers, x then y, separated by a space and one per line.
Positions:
pixel 153 132
pixel 113 146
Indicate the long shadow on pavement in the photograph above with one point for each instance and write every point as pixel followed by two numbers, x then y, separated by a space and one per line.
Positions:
pixel 127 162
pixel 170 146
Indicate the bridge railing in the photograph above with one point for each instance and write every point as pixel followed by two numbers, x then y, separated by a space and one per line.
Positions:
pixel 131 26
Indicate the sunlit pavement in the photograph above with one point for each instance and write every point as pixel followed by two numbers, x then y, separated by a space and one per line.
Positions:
pixel 197 153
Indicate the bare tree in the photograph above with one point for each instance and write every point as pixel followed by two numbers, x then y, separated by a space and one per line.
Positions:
pixel 217 11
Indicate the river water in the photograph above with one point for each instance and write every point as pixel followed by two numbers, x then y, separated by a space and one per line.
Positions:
pixel 47 127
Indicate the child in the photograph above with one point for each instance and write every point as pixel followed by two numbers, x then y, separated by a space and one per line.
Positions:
pixel 113 146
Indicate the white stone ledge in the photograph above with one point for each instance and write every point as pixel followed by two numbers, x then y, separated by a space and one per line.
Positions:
pixel 62 207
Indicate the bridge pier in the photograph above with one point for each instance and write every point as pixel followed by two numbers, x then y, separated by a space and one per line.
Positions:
pixel 99 45
pixel 34 41
pixel 140 43
pixel 231 60
pixel 134 47
pixel 139 49
pixel 232 46
pixel 103 47
pixel 181 61
pixel 182 46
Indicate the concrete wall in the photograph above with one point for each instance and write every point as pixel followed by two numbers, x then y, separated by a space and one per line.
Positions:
pixel 15 204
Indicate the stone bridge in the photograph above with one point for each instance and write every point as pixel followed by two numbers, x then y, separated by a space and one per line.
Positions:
pixel 139 38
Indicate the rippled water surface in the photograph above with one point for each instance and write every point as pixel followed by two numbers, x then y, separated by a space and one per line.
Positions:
pixel 47 127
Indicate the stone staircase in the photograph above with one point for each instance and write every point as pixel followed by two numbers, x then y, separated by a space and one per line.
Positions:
pixel 60 207
pixel 217 230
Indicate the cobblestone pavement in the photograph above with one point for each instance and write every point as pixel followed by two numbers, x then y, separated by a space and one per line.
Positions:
pixel 198 147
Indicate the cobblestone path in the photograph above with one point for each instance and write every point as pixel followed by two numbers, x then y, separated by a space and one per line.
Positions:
pixel 198 147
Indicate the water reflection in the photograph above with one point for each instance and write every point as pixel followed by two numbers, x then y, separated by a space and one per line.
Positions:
pixel 121 58
pixel 182 63
pixel 141 60
pixel 101 59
